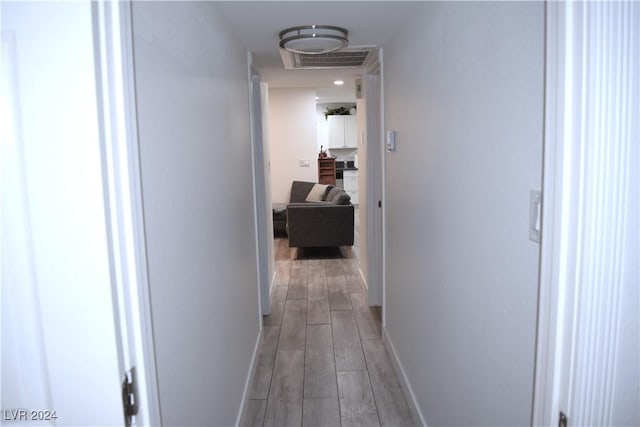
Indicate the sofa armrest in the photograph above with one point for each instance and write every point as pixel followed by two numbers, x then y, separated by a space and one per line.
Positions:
pixel 320 224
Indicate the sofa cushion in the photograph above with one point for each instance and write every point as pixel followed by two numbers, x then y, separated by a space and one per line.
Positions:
pixel 299 191
pixel 326 192
pixel 317 193
pixel 333 194
pixel 343 199
pixel 338 196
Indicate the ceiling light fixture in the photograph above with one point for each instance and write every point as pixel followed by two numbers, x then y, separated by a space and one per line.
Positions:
pixel 313 39
pixel 338 83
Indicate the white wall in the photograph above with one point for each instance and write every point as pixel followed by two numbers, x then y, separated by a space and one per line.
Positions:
pixel 292 137
pixel 192 92
pixel 463 90
pixel 58 332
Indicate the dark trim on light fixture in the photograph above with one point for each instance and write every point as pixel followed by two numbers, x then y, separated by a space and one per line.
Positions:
pixel 313 32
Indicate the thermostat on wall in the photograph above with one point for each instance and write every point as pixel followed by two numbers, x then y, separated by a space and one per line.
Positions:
pixel 390 137
pixel 358 85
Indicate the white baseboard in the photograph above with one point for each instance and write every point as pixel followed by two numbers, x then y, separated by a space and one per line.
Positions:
pixel 366 285
pixel 404 381
pixel 273 282
pixel 252 370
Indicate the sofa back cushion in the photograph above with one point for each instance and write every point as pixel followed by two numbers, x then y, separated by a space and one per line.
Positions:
pixel 338 196
pixel 299 191
pixel 317 193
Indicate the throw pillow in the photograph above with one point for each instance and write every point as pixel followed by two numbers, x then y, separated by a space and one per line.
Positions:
pixel 332 194
pixel 343 199
pixel 326 192
pixel 316 193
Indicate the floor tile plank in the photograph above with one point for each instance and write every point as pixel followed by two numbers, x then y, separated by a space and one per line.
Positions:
pixel 346 342
pixel 317 275
pixel 323 412
pixel 354 282
pixel 338 292
pixel 278 297
pixel 283 273
pixel 318 305
pixel 390 400
pixel 366 317
pixel 266 358
pixel 255 413
pixel 319 363
pixel 284 406
pixel 298 278
pixel 294 322
pixel 357 407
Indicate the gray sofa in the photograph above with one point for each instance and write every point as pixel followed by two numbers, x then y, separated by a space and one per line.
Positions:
pixel 327 222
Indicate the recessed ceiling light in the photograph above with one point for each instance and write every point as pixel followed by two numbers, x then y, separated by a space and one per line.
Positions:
pixel 338 83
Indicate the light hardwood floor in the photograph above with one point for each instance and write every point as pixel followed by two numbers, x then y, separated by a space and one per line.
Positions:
pixel 321 360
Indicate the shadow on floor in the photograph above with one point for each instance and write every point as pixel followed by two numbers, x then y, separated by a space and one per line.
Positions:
pixel 319 253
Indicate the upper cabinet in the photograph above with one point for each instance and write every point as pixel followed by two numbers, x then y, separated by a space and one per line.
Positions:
pixel 343 131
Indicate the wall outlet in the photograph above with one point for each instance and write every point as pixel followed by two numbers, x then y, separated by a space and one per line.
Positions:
pixel 304 163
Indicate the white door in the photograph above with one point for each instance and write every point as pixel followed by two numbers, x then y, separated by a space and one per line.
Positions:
pixel 588 339
pixel 58 329
pixel 71 307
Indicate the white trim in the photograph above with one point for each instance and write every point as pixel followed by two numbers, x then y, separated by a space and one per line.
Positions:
pixel 383 193
pixel 240 418
pixel 273 283
pixel 374 178
pixel 544 411
pixel 123 199
pixel 258 178
pixel 364 280
pixel 405 384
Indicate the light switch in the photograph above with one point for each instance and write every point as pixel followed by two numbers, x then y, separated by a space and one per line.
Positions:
pixel 304 163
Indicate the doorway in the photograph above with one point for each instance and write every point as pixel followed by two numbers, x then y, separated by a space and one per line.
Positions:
pixel 369 210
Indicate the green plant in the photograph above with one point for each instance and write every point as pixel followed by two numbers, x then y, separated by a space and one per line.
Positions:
pixel 340 111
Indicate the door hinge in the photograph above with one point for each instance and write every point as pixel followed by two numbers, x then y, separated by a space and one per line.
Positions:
pixel 379 203
pixel 563 421
pixel 130 396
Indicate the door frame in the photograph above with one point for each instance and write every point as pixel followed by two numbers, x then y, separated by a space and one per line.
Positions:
pixel 374 98
pixel 124 212
pixel 260 196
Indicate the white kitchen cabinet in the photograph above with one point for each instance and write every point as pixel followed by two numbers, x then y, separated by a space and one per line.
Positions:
pixel 343 132
pixel 350 185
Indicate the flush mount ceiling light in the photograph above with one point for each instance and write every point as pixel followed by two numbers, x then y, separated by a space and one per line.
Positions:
pixel 313 39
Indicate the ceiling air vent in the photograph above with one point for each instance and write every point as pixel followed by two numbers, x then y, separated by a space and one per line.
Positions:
pixel 350 57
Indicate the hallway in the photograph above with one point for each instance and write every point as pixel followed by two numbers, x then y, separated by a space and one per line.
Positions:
pixel 322 360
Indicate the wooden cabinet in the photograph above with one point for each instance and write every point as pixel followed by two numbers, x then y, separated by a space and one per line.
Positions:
pixel 350 184
pixel 343 132
pixel 327 171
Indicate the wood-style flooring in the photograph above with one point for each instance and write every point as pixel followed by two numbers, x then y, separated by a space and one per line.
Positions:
pixel 321 361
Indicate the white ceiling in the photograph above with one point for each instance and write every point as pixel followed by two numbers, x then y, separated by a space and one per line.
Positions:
pixel 256 25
